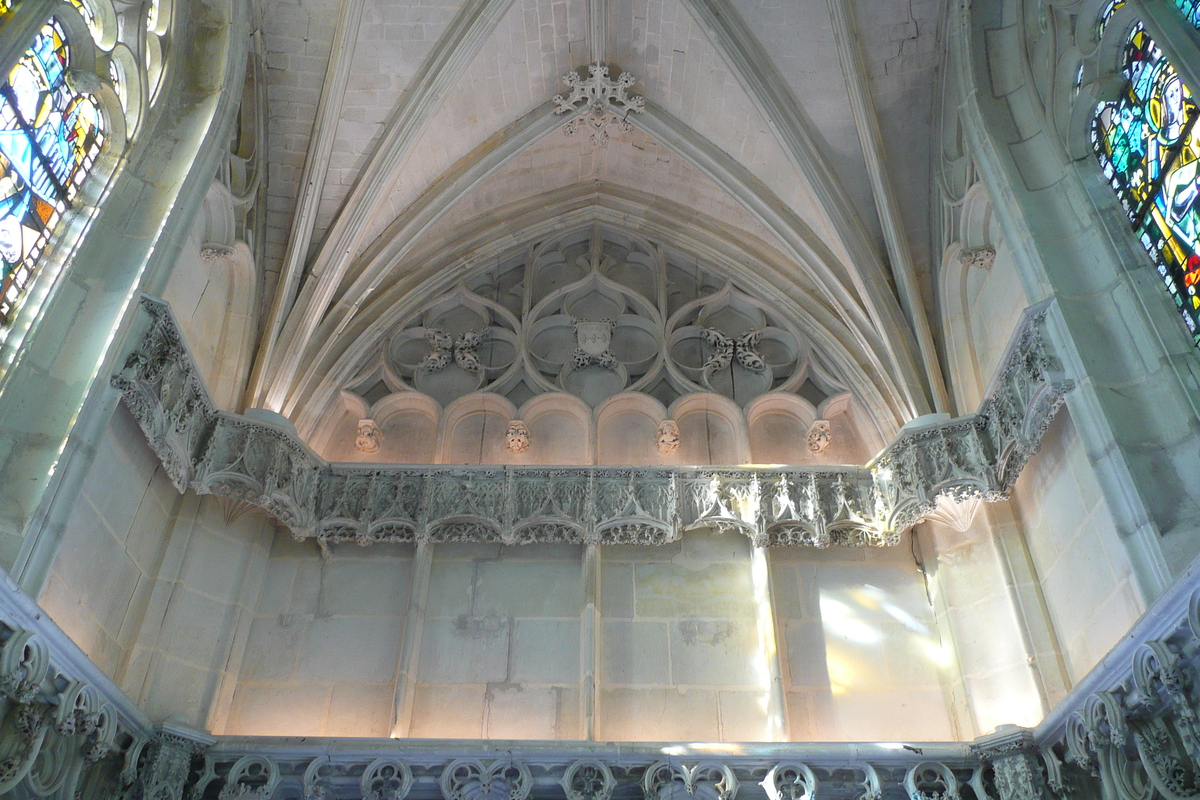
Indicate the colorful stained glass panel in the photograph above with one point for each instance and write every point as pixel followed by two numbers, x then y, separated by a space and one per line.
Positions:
pixel 1191 10
pixel 1149 148
pixel 1106 14
pixel 49 139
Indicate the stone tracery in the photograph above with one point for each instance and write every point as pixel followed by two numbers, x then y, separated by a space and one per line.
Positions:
pixel 594 314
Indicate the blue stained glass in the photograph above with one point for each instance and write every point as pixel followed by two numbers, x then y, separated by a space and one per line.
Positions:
pixel 1191 11
pixel 1149 150
pixel 49 138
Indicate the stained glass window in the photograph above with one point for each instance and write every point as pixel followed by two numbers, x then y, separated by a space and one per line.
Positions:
pixel 1149 149
pixel 1191 10
pixel 49 139
pixel 84 12
pixel 1107 12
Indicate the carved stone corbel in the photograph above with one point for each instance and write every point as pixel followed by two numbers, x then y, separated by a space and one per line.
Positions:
pixel 979 258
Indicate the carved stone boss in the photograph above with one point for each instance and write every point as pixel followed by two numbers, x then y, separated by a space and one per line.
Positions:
pixel 212 452
pixel 606 100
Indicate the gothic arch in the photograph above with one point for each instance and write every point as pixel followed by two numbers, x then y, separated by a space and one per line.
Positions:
pixel 344 349
pixel 340 294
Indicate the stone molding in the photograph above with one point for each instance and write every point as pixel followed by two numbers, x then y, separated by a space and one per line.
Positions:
pixel 266 465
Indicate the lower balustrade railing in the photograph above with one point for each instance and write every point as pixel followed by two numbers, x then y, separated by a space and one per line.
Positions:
pixel 1128 731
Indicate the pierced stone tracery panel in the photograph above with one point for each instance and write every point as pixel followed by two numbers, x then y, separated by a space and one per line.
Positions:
pixel 594 314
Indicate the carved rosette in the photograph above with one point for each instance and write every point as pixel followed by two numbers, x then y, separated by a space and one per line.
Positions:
pixel 516 437
pixel 979 258
pixel 606 99
pixel 588 779
pixel 819 436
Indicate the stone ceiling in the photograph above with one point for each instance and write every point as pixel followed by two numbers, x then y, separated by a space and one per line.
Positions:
pixel 395 125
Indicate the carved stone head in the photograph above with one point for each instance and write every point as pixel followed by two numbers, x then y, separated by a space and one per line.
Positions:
pixel 667 437
pixel 820 435
pixel 369 437
pixel 979 258
pixel 516 437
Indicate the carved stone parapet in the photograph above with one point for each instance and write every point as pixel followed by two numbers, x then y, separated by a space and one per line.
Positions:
pixel 266 465
pixel 588 779
pixel 165 392
pixel 61 731
pixel 471 779
pixel 167 764
pixel 1016 763
pixel 708 780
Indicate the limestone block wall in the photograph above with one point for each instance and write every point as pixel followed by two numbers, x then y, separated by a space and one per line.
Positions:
pixel 863 659
pixel 1080 560
pixel 684 646
pixel 115 541
pixel 994 682
pixel 680 652
pixel 212 293
pixel 157 588
pixel 193 655
pixel 323 648
pixel 500 647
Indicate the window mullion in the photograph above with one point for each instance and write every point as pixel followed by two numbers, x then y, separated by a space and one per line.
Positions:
pixel 1180 42
pixel 18 32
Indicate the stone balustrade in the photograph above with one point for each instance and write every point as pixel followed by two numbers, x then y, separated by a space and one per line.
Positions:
pixel 66 731
pixel 264 463
pixel 424 770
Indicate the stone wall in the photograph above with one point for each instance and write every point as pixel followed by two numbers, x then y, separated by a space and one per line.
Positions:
pixel 324 646
pixel 994 682
pixel 684 648
pixel 862 657
pixel 680 652
pixel 158 588
pixel 1080 560
pixel 114 544
pixel 500 650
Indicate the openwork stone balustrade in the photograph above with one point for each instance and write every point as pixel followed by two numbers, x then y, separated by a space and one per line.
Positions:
pixel 267 465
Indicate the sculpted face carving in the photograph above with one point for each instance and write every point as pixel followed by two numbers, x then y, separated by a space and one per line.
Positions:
pixel 980 258
pixel 820 435
pixel 369 437
pixel 516 438
pixel 667 437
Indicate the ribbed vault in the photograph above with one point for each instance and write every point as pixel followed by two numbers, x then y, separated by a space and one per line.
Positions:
pixel 470 161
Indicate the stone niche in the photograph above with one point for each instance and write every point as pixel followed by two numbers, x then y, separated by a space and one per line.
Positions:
pixel 593 340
